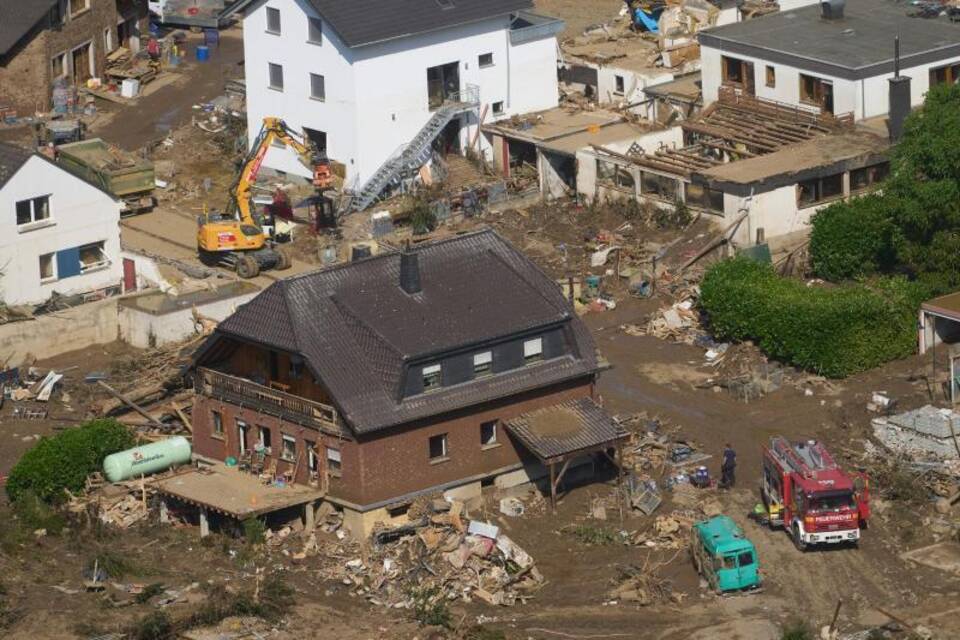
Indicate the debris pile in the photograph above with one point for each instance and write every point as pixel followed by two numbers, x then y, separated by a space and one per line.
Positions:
pixel 441 557
pixel 924 433
pixel 644 585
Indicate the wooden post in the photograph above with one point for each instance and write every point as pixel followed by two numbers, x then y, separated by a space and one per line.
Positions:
pixel 553 489
pixel 309 521
pixel 164 511
pixel 204 523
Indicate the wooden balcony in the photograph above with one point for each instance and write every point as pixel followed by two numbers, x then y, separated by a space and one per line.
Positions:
pixel 246 393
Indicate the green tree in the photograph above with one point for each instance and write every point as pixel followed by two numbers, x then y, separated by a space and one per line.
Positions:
pixel 65 460
pixel 913 225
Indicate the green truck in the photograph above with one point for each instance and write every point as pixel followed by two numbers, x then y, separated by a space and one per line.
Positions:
pixel 122 174
pixel 723 555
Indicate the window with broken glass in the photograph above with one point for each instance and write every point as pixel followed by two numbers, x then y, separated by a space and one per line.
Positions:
pixel 705 198
pixel 614 175
pixel 656 186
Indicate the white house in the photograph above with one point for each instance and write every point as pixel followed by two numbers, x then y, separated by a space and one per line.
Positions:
pixel 835 56
pixel 363 77
pixel 58 233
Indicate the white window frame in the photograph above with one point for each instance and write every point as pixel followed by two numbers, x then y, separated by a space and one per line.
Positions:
pixel 270 67
pixel 430 371
pixel 444 454
pixel 35 223
pixel 53 269
pixel 273 11
pixel 323 85
pixel 67 70
pixel 284 441
pixel 104 261
pixel 483 363
pixel 268 446
pixel 492 442
pixel 216 421
pixel 310 31
pixel 73 13
pixel 336 456
pixel 533 350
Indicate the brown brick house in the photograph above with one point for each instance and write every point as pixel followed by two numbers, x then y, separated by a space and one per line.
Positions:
pixel 41 40
pixel 441 368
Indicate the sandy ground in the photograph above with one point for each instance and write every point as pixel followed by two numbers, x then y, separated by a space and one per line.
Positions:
pixel 580 14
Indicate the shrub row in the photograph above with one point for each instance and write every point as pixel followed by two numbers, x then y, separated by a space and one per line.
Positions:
pixel 835 331
pixel 64 461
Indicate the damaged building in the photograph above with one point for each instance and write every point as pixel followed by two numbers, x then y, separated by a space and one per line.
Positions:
pixel 43 41
pixel 382 86
pixel 59 234
pixel 393 377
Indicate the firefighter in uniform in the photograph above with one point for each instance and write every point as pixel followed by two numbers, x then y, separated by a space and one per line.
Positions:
pixel 728 467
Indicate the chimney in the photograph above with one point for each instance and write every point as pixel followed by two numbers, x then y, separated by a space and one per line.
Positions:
pixel 409 271
pixel 832 9
pixel 899 107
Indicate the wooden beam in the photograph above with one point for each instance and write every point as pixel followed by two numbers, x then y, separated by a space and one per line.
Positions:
pixel 553 488
pixel 130 403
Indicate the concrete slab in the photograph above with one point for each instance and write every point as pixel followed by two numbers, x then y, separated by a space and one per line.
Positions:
pixel 943 555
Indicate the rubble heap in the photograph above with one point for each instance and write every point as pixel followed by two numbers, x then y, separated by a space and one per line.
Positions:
pixel 439 557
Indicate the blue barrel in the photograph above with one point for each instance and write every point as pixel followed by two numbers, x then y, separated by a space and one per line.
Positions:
pixel 203 53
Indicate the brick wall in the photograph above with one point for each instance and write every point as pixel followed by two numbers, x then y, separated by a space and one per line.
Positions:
pixel 393 463
pixel 23 75
pixel 26 73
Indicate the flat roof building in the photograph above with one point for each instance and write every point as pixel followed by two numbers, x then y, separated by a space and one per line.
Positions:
pixel 835 62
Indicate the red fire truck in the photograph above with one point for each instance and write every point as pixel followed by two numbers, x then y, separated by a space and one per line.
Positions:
pixel 811 497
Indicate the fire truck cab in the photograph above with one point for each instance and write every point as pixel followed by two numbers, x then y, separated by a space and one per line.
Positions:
pixel 810 496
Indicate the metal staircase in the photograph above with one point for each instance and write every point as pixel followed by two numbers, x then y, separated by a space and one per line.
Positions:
pixel 411 156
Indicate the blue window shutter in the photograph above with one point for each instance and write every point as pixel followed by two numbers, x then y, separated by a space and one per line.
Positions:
pixel 68 263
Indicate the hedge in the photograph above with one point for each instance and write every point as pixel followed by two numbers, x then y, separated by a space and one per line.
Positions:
pixel 65 460
pixel 835 331
pixel 852 239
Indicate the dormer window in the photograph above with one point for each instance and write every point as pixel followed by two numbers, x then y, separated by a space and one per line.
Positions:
pixel 431 377
pixel 482 364
pixel 533 350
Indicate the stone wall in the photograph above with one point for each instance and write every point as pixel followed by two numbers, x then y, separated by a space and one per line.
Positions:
pixel 24 75
pixel 50 335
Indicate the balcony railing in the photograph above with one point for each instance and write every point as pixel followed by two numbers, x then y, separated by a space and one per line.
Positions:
pixel 285 406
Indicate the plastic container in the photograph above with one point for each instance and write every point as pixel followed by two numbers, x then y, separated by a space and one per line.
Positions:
pixel 203 53
pixel 211 37
pixel 129 88
pixel 146 460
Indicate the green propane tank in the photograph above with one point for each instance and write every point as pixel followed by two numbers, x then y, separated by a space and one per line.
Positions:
pixel 150 458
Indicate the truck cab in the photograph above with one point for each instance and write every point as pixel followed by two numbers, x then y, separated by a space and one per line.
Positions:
pixel 724 556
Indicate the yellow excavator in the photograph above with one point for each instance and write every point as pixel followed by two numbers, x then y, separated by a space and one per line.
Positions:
pixel 239 237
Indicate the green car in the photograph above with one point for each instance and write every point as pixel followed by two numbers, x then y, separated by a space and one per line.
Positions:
pixel 723 555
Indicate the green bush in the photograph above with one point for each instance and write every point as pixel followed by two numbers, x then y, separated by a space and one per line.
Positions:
pixel 65 460
pixel 34 514
pixel 834 331
pixel 429 607
pixel 797 630
pixel 852 239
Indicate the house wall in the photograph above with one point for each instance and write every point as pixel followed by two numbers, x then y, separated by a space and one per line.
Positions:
pixel 50 335
pixel 144 330
pixel 299 58
pixel 26 72
pixel 79 214
pixel 24 75
pixel 386 466
pixel 589 189
pixel 864 98
pixel 376 96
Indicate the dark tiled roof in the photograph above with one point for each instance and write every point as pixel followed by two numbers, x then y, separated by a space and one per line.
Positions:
pixel 12 158
pixel 357 329
pixel 17 17
pixel 857 46
pixel 364 22
pixel 566 428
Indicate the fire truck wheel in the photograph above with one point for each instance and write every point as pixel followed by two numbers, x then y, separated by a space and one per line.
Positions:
pixel 797 540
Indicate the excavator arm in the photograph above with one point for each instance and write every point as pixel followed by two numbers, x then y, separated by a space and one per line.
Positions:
pixel 273 130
